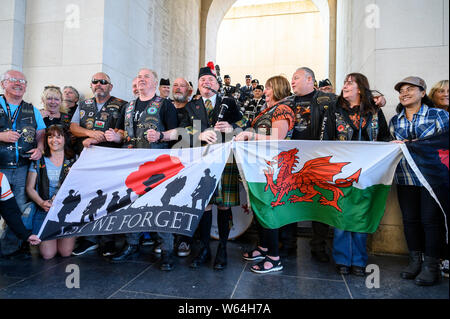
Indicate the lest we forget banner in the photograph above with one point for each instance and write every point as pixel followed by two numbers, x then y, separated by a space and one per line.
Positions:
pixel 110 191
pixel 342 184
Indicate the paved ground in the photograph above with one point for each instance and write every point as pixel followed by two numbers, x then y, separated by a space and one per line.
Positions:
pixel 141 278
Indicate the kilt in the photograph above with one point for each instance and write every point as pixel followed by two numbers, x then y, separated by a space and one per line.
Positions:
pixel 227 192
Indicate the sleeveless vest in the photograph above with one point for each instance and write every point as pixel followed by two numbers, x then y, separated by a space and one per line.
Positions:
pixel 136 132
pixel 263 122
pixel 42 179
pixel 319 104
pixel 102 120
pixel 344 131
pixel 26 125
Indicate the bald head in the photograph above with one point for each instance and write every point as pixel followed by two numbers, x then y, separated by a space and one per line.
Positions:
pixel 181 90
pixel 101 86
pixel 14 85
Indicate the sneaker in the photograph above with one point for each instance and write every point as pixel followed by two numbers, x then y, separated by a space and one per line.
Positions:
pixel 184 249
pixel 109 249
pixel 84 247
pixel 157 249
pixel 444 268
pixel 146 241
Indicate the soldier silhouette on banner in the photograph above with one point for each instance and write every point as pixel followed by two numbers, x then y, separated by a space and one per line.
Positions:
pixel 69 204
pixel 173 189
pixel 93 206
pixel 126 200
pixel 114 203
pixel 203 188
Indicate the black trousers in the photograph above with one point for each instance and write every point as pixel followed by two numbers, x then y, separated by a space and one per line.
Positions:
pixel 423 220
pixel 319 236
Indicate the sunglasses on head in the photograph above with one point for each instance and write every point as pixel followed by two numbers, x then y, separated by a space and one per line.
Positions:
pixel 102 82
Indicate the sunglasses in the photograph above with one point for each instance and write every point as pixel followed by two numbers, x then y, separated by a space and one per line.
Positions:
pixel 102 82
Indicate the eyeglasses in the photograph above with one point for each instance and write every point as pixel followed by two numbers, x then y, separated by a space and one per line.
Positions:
pixel 14 80
pixel 409 89
pixel 102 82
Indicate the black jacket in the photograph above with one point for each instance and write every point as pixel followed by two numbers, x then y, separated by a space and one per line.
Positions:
pixel 196 110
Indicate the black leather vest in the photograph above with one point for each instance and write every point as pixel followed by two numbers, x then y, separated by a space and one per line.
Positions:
pixel 26 126
pixel 263 122
pixel 310 128
pixel 102 120
pixel 136 132
pixel 345 132
pixel 42 178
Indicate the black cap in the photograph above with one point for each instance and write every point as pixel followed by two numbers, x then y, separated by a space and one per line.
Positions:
pixel 205 71
pixel 248 76
pixel 227 77
pixel 164 82
pixel 325 82
pixel 259 87
pixel 255 81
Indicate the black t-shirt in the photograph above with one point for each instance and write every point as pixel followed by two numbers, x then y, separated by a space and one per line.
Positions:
pixel 302 128
pixel 168 114
pixel 72 110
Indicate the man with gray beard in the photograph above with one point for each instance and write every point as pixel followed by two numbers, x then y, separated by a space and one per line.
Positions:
pixel 181 91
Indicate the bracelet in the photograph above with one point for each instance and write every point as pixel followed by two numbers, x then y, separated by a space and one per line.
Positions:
pixel 161 136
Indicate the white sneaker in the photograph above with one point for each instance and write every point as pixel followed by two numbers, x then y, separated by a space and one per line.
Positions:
pixel 184 249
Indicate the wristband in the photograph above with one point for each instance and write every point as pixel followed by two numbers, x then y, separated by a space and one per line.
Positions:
pixel 161 136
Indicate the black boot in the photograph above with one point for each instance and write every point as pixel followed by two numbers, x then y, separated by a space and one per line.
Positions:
pixel 430 273
pixel 221 257
pixel 414 266
pixel 203 256
pixel 127 253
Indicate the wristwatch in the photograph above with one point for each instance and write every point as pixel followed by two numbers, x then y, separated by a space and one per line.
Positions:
pixel 161 136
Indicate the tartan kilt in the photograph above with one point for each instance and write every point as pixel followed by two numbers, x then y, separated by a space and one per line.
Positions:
pixel 228 194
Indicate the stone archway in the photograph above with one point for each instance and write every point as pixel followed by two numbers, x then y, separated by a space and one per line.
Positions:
pixel 213 12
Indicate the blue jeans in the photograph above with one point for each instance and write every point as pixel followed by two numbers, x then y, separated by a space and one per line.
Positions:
pixel 349 248
pixel 17 178
pixel 167 241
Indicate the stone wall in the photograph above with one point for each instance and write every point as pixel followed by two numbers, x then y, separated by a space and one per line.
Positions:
pixel 12 33
pixel 388 41
pixel 64 42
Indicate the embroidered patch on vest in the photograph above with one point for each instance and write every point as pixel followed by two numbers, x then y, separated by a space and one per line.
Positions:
pixel 152 110
pixel 99 124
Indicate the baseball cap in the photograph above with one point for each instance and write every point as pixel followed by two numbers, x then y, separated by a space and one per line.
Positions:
pixel 414 80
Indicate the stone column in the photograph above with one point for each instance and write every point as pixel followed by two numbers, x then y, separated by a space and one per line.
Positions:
pixel 12 33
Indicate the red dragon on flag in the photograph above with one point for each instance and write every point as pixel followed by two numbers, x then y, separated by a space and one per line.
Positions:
pixel 316 172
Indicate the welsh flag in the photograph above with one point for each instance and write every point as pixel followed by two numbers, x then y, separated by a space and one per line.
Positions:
pixel 342 184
